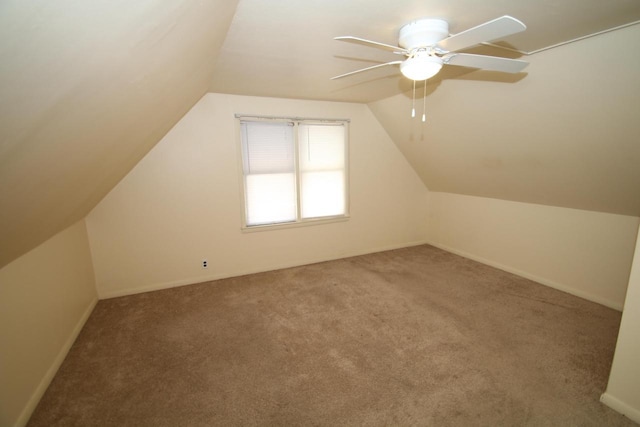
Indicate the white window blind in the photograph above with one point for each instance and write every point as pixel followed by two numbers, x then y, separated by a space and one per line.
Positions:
pixel 269 170
pixel 293 171
pixel 322 171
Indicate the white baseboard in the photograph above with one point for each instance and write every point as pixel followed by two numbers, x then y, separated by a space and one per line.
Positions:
pixel 190 281
pixel 53 369
pixel 621 407
pixel 564 288
pixel 225 275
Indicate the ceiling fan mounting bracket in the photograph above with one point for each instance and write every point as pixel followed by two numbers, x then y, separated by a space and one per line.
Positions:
pixel 424 51
pixel 423 33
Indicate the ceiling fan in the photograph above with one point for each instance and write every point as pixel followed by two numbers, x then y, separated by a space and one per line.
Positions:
pixel 427 45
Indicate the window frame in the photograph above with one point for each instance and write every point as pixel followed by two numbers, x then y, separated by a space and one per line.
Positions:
pixel 296 122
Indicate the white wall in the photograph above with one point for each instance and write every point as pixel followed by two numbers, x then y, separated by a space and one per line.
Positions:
pixel 45 297
pixel 182 204
pixel 623 390
pixel 584 253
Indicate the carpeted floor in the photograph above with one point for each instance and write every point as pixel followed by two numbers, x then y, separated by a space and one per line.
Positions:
pixel 415 336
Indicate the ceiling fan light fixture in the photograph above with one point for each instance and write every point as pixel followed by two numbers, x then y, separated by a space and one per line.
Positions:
pixel 421 67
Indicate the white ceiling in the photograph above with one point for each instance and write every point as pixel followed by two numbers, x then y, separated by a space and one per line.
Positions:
pixel 285 48
pixel 87 88
pixel 565 135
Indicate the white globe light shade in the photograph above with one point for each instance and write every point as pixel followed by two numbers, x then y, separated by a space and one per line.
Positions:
pixel 421 67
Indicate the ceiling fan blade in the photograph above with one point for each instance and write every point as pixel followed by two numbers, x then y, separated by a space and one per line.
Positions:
pixel 492 30
pixel 358 40
pixel 366 69
pixel 484 62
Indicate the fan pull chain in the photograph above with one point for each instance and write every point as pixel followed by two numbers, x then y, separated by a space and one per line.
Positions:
pixel 424 103
pixel 413 109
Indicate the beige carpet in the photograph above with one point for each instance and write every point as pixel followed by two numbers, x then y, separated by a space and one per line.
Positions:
pixel 415 336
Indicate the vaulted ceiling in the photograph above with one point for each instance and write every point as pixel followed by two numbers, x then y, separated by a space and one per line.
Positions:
pixel 565 134
pixel 286 48
pixel 88 88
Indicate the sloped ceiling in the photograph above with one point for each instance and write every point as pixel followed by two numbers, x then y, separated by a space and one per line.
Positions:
pixel 285 48
pixel 565 134
pixel 87 88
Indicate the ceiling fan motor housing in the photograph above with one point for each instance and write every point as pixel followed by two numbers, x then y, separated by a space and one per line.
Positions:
pixel 422 33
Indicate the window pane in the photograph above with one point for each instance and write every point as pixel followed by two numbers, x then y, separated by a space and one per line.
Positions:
pixel 322 194
pixel 269 169
pixel 322 177
pixel 271 198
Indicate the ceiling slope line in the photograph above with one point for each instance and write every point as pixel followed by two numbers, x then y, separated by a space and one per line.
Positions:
pixel 553 46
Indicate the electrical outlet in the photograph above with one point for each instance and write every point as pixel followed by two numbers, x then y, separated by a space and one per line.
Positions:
pixel 205 264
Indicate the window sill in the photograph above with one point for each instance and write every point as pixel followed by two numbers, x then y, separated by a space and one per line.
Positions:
pixel 304 223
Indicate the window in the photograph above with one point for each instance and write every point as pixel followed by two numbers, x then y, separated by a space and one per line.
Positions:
pixel 294 171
